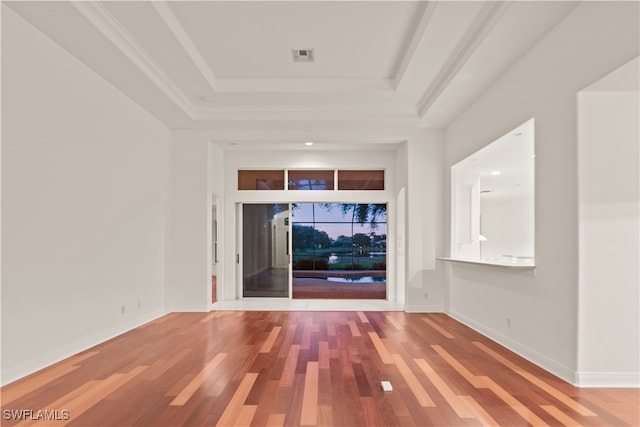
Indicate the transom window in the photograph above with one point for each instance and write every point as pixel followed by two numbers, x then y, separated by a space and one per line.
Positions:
pixel 360 180
pixel 261 180
pixel 307 179
pixel 310 180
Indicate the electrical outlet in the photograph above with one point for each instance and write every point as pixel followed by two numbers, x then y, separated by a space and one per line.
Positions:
pixel 508 322
pixel 139 304
pixel 123 309
pixel 426 295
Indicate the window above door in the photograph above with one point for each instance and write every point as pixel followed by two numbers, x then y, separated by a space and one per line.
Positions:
pixel 312 179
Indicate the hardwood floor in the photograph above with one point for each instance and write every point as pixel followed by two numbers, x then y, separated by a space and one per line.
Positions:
pixel 229 368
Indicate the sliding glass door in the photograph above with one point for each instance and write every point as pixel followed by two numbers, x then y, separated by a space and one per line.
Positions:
pixel 339 250
pixel 265 250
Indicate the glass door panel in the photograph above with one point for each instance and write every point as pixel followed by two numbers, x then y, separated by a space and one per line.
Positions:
pixel 339 250
pixel 265 250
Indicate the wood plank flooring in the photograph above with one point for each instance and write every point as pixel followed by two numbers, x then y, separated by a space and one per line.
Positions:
pixel 235 368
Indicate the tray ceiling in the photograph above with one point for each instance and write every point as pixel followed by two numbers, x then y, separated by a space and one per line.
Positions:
pixel 380 68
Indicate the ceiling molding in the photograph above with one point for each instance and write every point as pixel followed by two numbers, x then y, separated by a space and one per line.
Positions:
pixel 415 41
pixel 443 56
pixel 98 15
pixel 359 145
pixel 327 134
pixel 304 85
pixel 486 19
pixel 373 117
pixel 185 41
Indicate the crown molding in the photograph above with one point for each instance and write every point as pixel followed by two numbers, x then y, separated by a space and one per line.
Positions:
pixel 418 35
pixel 108 25
pixel 482 25
pixel 185 41
pixel 307 114
pixel 323 134
pixel 305 85
pixel 100 17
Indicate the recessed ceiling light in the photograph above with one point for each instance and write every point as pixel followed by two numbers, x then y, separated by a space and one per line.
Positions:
pixel 494 173
pixel 308 143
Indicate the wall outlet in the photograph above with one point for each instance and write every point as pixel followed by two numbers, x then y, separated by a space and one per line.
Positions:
pixel 508 322
pixel 123 309
pixel 139 304
pixel 426 295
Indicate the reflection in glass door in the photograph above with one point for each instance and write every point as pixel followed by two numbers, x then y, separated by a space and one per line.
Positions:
pixel 265 250
pixel 339 250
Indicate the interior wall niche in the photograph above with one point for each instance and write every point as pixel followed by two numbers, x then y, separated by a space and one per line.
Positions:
pixel 493 201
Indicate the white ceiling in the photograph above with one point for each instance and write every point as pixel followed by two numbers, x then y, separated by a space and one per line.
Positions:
pixel 381 68
pixel 245 40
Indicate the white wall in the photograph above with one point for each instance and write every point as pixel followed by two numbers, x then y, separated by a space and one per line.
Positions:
pixel 402 181
pixel 426 291
pixel 84 192
pixel 508 225
pixel 216 188
pixel 465 222
pixel 594 39
pixel 196 184
pixel 609 188
pixel 189 234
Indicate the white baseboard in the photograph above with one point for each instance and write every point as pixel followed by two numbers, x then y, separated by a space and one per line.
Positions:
pixel 608 379
pixel 285 304
pixel 426 308
pixel 532 356
pixel 198 308
pixel 30 366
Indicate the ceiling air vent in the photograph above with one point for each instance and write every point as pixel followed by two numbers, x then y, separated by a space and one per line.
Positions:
pixel 302 55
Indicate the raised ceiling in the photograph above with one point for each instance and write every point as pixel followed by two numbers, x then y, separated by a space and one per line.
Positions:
pixel 380 69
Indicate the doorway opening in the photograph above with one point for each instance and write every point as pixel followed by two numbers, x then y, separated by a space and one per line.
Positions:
pixel 265 250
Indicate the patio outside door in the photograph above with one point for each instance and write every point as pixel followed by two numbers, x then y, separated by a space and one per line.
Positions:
pixel 265 250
